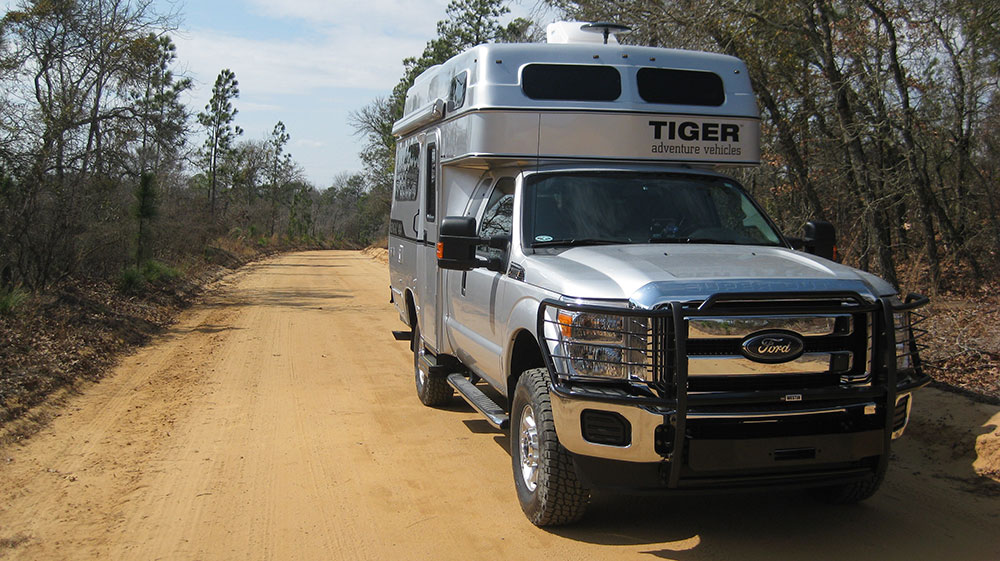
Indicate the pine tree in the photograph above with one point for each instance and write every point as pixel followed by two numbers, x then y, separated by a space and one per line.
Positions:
pixel 145 210
pixel 218 120
pixel 280 170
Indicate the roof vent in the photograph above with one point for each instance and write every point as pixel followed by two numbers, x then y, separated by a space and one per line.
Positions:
pixel 583 32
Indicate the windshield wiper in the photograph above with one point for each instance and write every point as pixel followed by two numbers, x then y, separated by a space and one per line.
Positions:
pixel 576 242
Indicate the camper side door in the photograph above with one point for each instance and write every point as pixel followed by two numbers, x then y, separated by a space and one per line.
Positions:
pixel 403 224
pixel 428 275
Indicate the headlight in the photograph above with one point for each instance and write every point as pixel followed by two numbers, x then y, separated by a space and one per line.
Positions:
pixel 904 341
pixel 902 329
pixel 600 346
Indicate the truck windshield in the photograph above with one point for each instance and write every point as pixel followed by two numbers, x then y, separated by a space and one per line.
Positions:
pixel 593 208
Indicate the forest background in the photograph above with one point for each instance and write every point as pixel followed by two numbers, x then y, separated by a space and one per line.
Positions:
pixel 880 116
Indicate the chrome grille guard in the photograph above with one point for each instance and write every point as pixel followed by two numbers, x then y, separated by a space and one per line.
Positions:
pixel 664 354
pixel 665 357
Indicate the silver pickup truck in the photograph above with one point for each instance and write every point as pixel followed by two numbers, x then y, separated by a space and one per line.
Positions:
pixel 569 259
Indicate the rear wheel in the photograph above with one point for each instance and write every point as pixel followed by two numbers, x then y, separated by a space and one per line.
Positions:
pixel 432 390
pixel 547 487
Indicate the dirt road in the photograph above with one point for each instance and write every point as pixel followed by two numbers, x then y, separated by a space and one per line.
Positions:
pixel 278 421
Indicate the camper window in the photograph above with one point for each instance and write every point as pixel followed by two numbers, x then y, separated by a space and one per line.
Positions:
pixel 456 96
pixel 571 82
pixel 408 172
pixel 431 191
pixel 680 87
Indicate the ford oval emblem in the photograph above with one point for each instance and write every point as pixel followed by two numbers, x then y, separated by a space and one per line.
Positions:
pixel 773 347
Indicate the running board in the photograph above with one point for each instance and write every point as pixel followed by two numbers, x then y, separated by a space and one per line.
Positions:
pixel 479 401
pixel 403 335
pixel 434 367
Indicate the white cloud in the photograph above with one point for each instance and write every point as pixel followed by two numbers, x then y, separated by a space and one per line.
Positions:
pixel 357 46
pixel 260 107
pixel 282 67
pixel 410 17
pixel 309 143
pixel 313 63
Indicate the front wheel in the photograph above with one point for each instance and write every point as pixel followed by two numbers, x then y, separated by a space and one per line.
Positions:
pixel 850 493
pixel 547 487
pixel 432 390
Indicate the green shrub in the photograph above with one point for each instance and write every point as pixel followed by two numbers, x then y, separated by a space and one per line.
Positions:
pixel 10 300
pixel 154 272
pixel 131 281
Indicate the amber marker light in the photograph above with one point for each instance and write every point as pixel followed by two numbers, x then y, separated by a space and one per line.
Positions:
pixel 565 324
pixel 440 250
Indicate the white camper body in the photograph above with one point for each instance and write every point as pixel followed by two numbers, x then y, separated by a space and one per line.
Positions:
pixel 570 260
pixel 493 106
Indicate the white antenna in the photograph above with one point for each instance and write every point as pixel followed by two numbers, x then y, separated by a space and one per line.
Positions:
pixel 607 29
pixel 583 32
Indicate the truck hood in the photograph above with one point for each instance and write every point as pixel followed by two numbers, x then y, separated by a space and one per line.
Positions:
pixel 649 275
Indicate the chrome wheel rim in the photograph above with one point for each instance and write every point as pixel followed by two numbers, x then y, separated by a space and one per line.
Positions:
pixel 421 375
pixel 527 442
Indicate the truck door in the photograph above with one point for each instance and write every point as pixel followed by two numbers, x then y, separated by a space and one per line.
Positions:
pixel 427 271
pixel 474 294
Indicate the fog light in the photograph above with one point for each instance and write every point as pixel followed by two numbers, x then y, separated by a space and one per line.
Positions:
pixel 605 427
pixel 901 415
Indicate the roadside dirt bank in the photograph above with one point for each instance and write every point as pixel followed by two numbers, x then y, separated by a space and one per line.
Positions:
pixel 277 420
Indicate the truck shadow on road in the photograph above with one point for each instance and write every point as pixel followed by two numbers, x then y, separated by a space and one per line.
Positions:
pixel 787 525
pixel 918 514
pixel 933 505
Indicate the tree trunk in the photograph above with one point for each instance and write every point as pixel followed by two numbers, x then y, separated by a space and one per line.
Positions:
pixel 874 218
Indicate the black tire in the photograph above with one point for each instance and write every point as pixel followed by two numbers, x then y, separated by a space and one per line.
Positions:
pixel 432 390
pixel 550 493
pixel 850 493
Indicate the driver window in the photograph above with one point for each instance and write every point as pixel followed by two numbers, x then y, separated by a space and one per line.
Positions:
pixel 498 218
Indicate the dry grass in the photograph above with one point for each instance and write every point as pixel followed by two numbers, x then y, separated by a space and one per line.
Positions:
pixel 963 341
pixel 78 330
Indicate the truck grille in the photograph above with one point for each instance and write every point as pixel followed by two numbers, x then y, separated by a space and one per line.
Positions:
pixel 721 345
pixel 837 347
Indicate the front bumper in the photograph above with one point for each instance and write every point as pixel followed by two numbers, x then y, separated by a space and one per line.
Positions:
pixel 722 449
pixel 646 429
pixel 568 414
pixel 666 437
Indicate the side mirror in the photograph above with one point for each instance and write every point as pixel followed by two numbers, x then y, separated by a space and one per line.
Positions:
pixel 498 263
pixel 820 239
pixel 457 241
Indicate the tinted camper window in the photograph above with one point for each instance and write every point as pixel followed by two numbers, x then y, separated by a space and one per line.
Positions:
pixel 407 172
pixel 680 87
pixel 571 82
pixel 456 95
pixel 431 191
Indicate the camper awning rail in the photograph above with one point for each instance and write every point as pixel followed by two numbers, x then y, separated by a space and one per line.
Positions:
pixel 427 114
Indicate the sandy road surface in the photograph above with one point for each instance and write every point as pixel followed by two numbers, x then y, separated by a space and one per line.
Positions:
pixel 278 421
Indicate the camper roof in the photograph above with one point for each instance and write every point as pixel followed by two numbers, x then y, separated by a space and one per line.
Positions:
pixel 548 76
pixel 591 101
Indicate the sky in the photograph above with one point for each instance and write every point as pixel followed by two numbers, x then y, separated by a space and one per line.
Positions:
pixel 307 63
